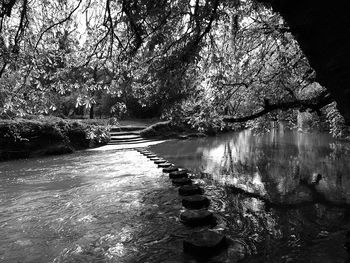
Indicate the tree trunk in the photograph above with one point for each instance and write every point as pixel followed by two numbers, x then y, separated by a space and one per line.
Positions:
pixel 322 29
pixel 92 111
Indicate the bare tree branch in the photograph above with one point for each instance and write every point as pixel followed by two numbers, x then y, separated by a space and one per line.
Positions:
pixel 314 104
pixel 56 24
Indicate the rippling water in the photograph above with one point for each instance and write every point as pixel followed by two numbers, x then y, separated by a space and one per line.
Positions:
pixel 116 206
pixel 87 207
pixel 264 189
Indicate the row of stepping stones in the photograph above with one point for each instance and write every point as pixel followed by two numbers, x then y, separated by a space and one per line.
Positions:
pixel 200 243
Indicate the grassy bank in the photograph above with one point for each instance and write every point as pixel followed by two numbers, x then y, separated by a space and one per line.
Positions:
pixel 23 138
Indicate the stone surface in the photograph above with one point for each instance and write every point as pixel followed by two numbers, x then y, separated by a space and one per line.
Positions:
pixel 195 202
pixel 182 181
pixel 190 190
pixel 164 165
pixel 197 217
pixel 155 158
pixel 178 174
pixel 151 156
pixel 204 242
pixel 160 161
pixel 170 169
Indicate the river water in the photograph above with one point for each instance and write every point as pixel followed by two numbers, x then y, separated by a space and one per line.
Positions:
pixel 116 206
pixel 269 197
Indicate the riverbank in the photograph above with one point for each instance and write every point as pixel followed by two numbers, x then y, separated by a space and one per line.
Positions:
pixel 24 138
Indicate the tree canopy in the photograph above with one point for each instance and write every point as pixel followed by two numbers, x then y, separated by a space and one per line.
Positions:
pixel 231 60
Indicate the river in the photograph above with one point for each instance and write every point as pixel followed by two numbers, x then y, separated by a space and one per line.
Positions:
pixel 117 206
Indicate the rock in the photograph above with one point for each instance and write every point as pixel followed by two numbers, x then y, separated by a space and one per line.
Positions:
pixel 182 181
pixel 170 169
pixel 164 165
pixel 190 190
pixel 197 217
pixel 160 161
pixel 178 174
pixel 205 242
pixel 151 156
pixel 195 202
pixel 155 158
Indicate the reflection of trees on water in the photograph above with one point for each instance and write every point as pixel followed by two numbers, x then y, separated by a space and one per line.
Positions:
pixel 303 211
pixel 272 164
pixel 270 199
pixel 283 161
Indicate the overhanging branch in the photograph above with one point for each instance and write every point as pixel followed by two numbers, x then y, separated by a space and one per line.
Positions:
pixel 314 104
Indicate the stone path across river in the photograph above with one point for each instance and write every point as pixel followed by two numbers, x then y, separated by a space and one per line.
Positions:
pixel 200 243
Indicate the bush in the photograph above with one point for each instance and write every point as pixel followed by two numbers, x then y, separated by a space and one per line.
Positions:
pixel 157 129
pixel 200 115
pixel 21 138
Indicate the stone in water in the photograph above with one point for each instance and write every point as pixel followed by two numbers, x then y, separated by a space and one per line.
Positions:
pixel 170 169
pixel 197 217
pixel 182 181
pixel 164 165
pixel 195 202
pixel 190 190
pixel 160 161
pixel 178 174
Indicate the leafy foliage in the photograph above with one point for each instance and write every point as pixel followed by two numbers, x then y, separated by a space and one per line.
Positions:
pixel 195 61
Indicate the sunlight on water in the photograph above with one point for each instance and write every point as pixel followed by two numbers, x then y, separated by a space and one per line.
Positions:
pixel 117 206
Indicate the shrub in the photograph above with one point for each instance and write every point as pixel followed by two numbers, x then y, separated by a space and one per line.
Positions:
pixel 28 137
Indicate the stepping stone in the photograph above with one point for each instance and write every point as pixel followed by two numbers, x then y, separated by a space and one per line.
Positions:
pixel 195 202
pixel 148 153
pixel 160 161
pixel 178 174
pixel 164 165
pixel 170 169
pixel 190 190
pixel 151 156
pixel 197 217
pixel 205 242
pixel 155 158
pixel 182 181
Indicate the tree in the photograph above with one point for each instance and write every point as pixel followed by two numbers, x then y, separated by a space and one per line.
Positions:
pixel 321 29
pixel 156 50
